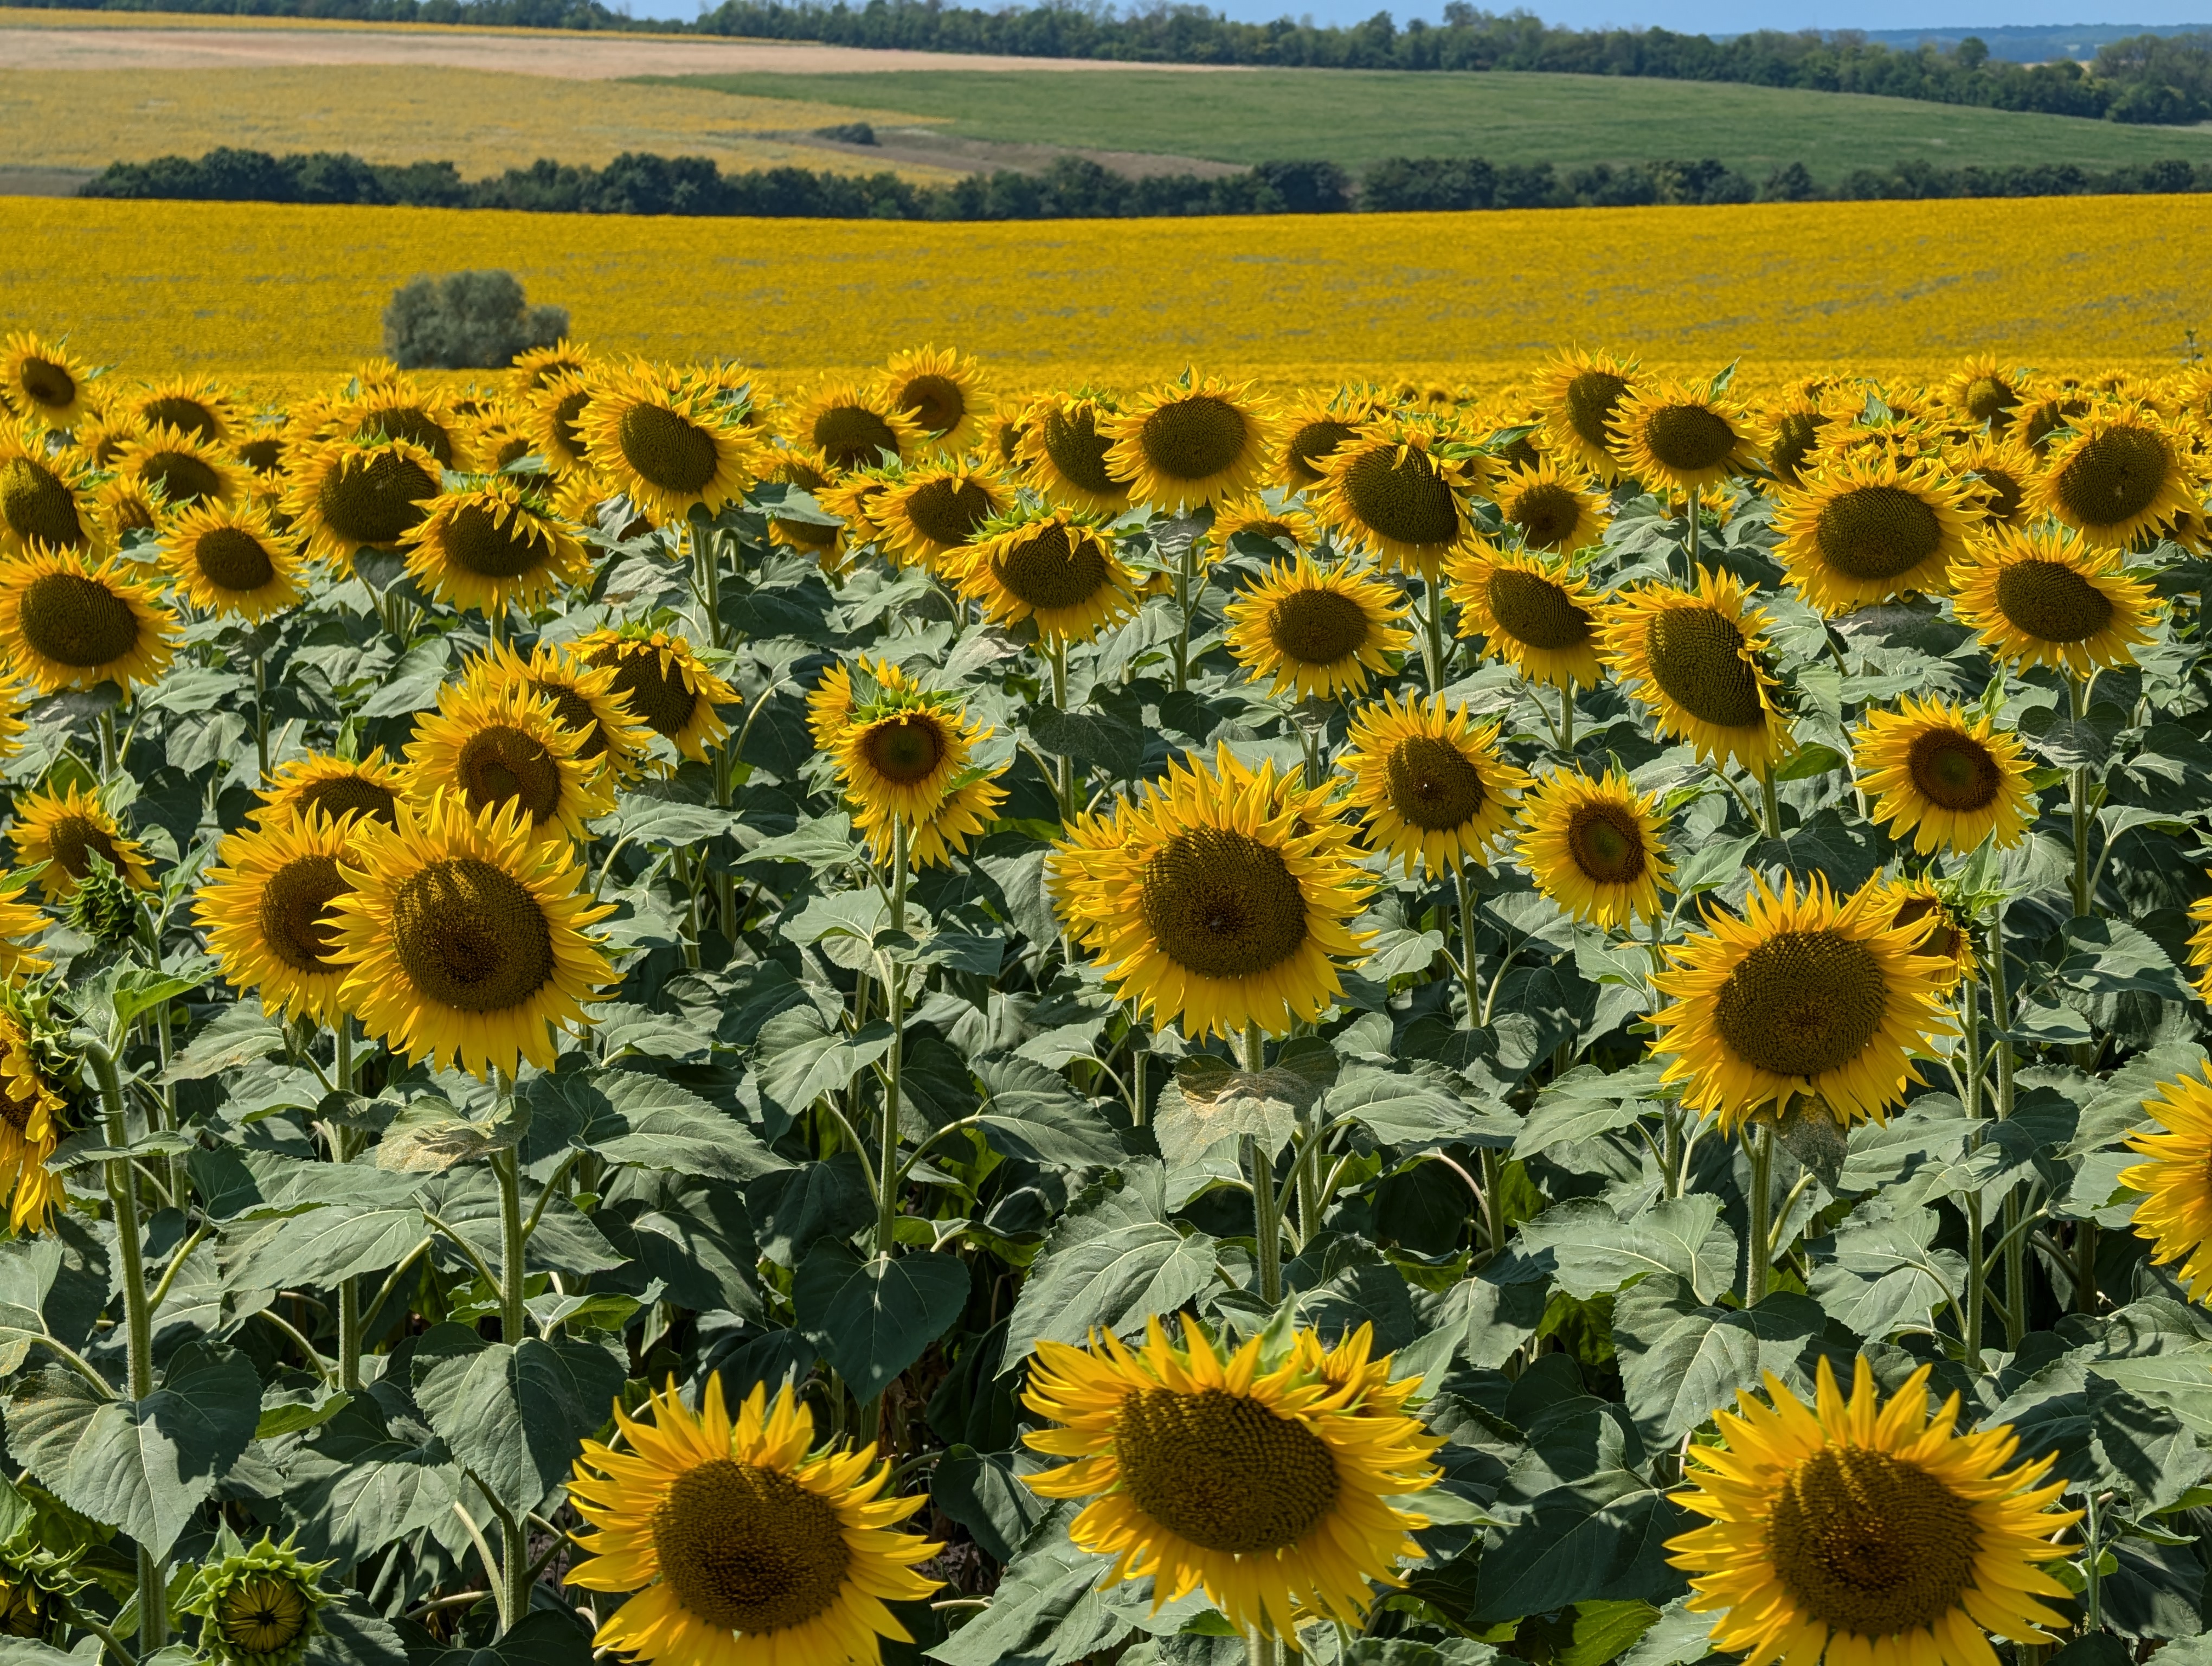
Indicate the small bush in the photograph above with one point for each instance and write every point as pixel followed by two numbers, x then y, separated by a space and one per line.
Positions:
pixel 850 132
pixel 467 321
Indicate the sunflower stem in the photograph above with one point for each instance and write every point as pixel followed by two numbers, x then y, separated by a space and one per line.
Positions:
pixel 108 752
pixel 1690 534
pixel 1770 803
pixel 1977 1275
pixel 1185 579
pixel 514 1557
pixel 2077 783
pixel 349 1288
pixel 1063 769
pixel 1261 1650
pixel 1432 630
pixel 887 1168
pixel 1567 719
pixel 1670 1158
pixel 261 707
pixel 1467 900
pixel 2015 1247
pixel 1759 1138
pixel 1266 1230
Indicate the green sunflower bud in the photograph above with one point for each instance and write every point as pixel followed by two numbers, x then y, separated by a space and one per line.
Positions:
pixel 259 1606
pixel 103 907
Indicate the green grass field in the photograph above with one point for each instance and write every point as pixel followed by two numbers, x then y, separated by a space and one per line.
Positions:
pixel 1355 116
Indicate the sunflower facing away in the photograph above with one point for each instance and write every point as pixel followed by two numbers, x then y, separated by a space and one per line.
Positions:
pixel 1862 530
pixel 1873 1534
pixel 495 545
pixel 497 746
pixel 21 924
pixel 1221 905
pixel 830 707
pixel 33 1119
pixel 1947 779
pixel 1269 1485
pixel 348 497
pixel 584 697
pixel 1793 438
pixel 65 830
pixel 187 469
pixel 1669 433
pixel 1555 512
pixel 266 907
pixel 230 561
pixel 1398 488
pixel 850 427
pixel 940 393
pixel 924 513
pixel 1063 453
pixel 669 441
pixel 1950 931
pixel 1531 611
pixel 45 497
pixel 1804 995
pixel 2176 1211
pixel 465 936
pixel 746 1546
pixel 43 379
pixel 67 623
pixel 1595 847
pixel 902 752
pixel 664 686
pixel 337 788
pixel 2045 597
pixel 1429 783
pixel 1055 567
pixel 1698 658
pixel 1312 631
pixel 122 508
pixel 1185 444
pixel 1580 394
pixel 2121 473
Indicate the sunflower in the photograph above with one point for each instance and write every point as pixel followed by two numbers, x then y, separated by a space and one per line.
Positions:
pixel 45 495
pixel 2045 597
pixel 65 830
pixel 196 408
pixel 507 745
pixel 849 427
pixel 940 393
pixel 2176 1211
pixel 403 410
pixel 1310 428
pixel 21 924
pixel 43 379
pixel 1861 531
pixel 664 686
pixel 1063 450
pixel 743 1543
pixel 851 499
pixel 260 1607
pixel 1053 567
pixel 1793 436
pixel 337 788
pixel 1531 611
pixel 826 544
pixel 187 469
pixel 1803 995
pixel 902 751
pixel 1699 658
pixel 1397 488
pixel 1186 444
pixel 2042 418
pixel 2000 473
pixel 1668 432
pixel 464 937
pixel 966 812
pixel 492 546
pixel 1272 1485
pixel 99 437
pixel 230 561
pixel 1595 847
pixel 1002 440
pixel 1222 905
pixel 1872 1533
pixel 67 623
pixel 585 699
pixel 498 439
pixel 1948 779
pixel 1950 931
pixel 349 496
pixel 830 707
pixel 34 1116
pixel 266 907
pixel 1429 785
pixel 1250 517
pixel 1556 512
pixel 1580 395
pixel 1984 391
pixel 538 366
pixel 926 513
pixel 553 418
pixel 2119 474
pixel 670 441
pixel 1317 632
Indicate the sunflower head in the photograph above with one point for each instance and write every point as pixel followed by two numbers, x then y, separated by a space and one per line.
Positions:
pixel 229 560
pixel 67 830
pixel 1399 488
pixel 36 1112
pixel 2120 474
pixel 1248 516
pixel 1999 474
pixel 403 409
pixel 348 496
pixel 940 393
pixel 671 440
pixel 848 426
pixel 1918 900
pixel 185 468
pixel 1429 783
pixel 1792 437
pixel 1555 512
pixel 258 1607
pixel 533 369
pixel 1699 658
pixel 67 622
pixel 1580 395
pixel 552 418
pixel 2176 1180
pixel 44 379
pixel 1533 611
pixel 1310 428
pixel 1057 568
pixel 493 546
pixel 1669 433
pixel 585 700
pixel 924 513
pixel 1862 530
pixel 1596 848
pixel 1986 393
pixel 1187 442
pixel 193 406
pixel 1948 779
pixel 46 495
pixel 843 689
pixel 1063 450
pixel 665 685
pixel 903 750
pixel 265 906
pixel 2045 597
pixel 492 746
pixel 334 787
pixel 1317 632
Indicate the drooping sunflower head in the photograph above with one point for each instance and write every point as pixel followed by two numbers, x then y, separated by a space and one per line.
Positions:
pixel 466 937
pixel 1918 900
pixel 1268 1482
pixel 1596 848
pixel 926 513
pixel 851 427
pixel 2176 1211
pixel 336 787
pixel 1310 428
pixel 741 1542
pixel 1984 391
pixel 493 546
pixel 1397 488
pixel 1580 394
pixel 66 831
pixel 265 906
pixel 67 622
pixel 1314 631
pixel 665 686
pixel 2121 473
pixel 1063 452
pixel 403 409
pixel 1533 611
pixel 347 496
pixel 258 1607
pixel 902 750
pixel 1804 995
pixel 553 418
pixel 1429 783
pixel 586 701
pixel 843 689
pixel 46 494
pixel 505 744
pixel 1948 778
pixel 194 406
pixel 1057 568
pixel 44 379
pixel 2045 597
pixel 1190 442
pixel 1699 658
pixel 36 1112
pixel 186 468
pixel 671 440
pixel 1669 434
pixel 1793 436
pixel 1222 904
pixel 229 560
pixel 1250 517
pixel 534 368
pixel 1555 512
pixel 1862 530
pixel 940 393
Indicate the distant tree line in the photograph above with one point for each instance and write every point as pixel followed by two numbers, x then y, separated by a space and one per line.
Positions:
pixel 1073 188
pixel 2146 78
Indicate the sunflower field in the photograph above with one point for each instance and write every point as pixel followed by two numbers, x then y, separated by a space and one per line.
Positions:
pixel 1157 1026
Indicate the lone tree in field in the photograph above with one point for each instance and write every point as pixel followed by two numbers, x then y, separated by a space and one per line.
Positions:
pixel 467 321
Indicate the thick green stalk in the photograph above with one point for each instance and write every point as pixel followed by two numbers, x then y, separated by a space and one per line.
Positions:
pixel 349 1288
pixel 514 1548
pixel 108 758
pixel 1690 534
pixel 1186 585
pixel 1266 1229
pixel 261 708
pixel 1567 718
pixel 1467 940
pixel 1770 803
pixel 1063 774
pixel 1970 1045
pixel 2077 782
pixel 1759 1252
pixel 887 1162
pixel 1262 1650
pixel 2015 1247
pixel 1432 629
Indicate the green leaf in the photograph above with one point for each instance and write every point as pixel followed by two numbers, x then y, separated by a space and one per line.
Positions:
pixel 791 1211
pixel 1806 761
pixel 236 1036
pixel 352 1635
pixel 1884 1274
pixel 1586 1103
pixel 321 1246
pixel 369 1476
pixel 546 1637
pixel 800 1057
pixel 1424 1105
pixel 1680 1361
pixel 429 1136
pixel 1209 1100
pixel 873 1318
pixel 1030 1112
pixel 983 1494
pixel 627 1117
pixel 2106 957
pixel 1113 1280
pixel 1599 1538
pixel 2116 1110
pixel 1594 1252
pixel 142 1465
pixel 515 1416
pixel 1604 1630
pixel 1047 1611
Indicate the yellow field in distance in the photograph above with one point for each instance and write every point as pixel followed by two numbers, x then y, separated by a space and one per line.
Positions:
pixel 265 295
